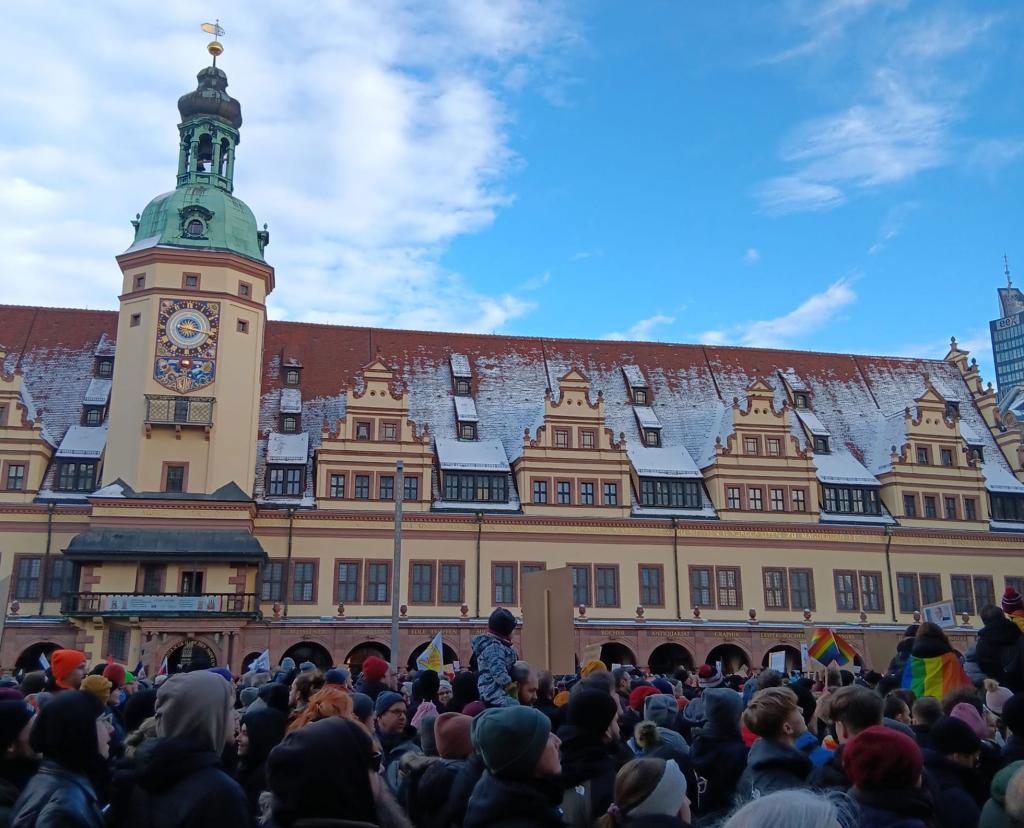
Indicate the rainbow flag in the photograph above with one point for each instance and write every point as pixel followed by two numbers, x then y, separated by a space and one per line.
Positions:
pixel 827 648
pixel 934 676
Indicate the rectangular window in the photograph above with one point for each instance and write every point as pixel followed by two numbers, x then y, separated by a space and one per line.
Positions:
pixel 76 477
pixel 192 582
pixel 587 439
pixel 304 582
pixel 480 488
pixel 412 488
pixel 93 416
pixel 504 576
pixel 949 507
pixel 732 497
pixel 907 590
pixel 923 455
pixel 650 586
pixel 285 480
pixel 63 577
pixel 348 582
pixel 947 456
pixel 845 500
pixel 289 423
pixel 244 290
pixel 728 581
pixel 337 485
pixel 800 401
pixel 909 505
pixel 362 491
pixel 389 432
pixel 751 445
pixel 26 584
pixel 561 438
pixel 540 491
pixel 754 500
pixel 105 367
pixel 662 492
pixel 801 589
pixel 652 438
pixel 846 591
pixel 931 589
pixel 587 494
pixel 639 396
pixel 799 500
pixel 386 487
pixel 467 431
pixel 700 587
pixel 15 477
pixel 970 509
pixel 140 281
pixel 606 582
pixel 191 280
pixel 271 587
pixel 775 596
pixel 821 444
pixel 451 583
pixel 363 431
pixel 774 447
pixel 984 592
pixel 611 494
pixel 963 599
pixel 581 586
pixel 1007 507
pixel 777 500
pixel 175 481
pixel 462 388
pixel 871 591
pixel 242 326
pixel 117 644
pixel 378 582
pixel 421 588
pixel 136 320
pixel 930 509
pixel 153 576
pixel 292 376
pixel 527 568
pixel 563 489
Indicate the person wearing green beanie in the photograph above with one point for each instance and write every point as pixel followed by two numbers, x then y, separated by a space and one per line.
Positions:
pixel 520 784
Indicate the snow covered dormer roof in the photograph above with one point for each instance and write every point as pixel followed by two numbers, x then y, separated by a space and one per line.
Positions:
pixel 477 455
pixel 646 417
pixel 669 461
pixel 792 380
pixel 465 410
pixel 287 449
pixel 291 401
pixel 1000 480
pixel 98 392
pixel 969 435
pixel 634 376
pixel 812 423
pixel 460 366
pixel 841 468
pixel 83 442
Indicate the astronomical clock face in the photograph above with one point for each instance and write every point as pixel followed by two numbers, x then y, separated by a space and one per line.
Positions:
pixel 186 344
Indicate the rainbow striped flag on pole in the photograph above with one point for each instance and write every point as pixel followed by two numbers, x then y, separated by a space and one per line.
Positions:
pixel 827 648
pixel 935 676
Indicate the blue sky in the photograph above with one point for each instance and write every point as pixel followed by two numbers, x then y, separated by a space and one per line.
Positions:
pixel 831 175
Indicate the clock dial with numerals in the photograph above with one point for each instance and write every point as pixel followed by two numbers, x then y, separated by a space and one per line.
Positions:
pixel 186 344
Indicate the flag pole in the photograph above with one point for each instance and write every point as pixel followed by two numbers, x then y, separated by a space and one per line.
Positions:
pixel 397 562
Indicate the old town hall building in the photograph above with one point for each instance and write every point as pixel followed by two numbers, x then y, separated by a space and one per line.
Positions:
pixel 183 478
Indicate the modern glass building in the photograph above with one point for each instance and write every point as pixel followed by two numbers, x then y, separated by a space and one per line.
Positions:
pixel 1008 339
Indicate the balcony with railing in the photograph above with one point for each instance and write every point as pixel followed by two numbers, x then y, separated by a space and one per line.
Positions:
pixel 165 409
pixel 123 604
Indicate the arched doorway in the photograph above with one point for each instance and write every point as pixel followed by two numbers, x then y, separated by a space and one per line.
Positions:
pixel 358 654
pixel 792 654
pixel 190 654
pixel 448 655
pixel 309 651
pixel 731 656
pixel 665 658
pixel 612 652
pixel 29 661
pixel 249 658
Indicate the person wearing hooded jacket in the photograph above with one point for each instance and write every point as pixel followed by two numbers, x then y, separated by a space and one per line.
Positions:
pixel 993 815
pixel 258 733
pixel 73 735
pixel 18 762
pixel 957 789
pixel 178 776
pixel 999 652
pixel 495 655
pixel 435 793
pixel 588 738
pixel 774 763
pixel 718 753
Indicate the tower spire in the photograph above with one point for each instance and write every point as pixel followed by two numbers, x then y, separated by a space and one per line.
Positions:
pixel 1006 270
pixel 214 47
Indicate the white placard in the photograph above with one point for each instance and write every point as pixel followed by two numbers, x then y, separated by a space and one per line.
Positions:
pixel 777 661
pixel 941 613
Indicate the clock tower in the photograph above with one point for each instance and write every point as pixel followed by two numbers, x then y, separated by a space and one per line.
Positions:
pixel 184 406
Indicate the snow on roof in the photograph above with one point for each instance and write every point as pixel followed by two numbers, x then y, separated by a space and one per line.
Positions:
pixel 793 380
pixel 841 467
pixel 875 520
pixel 98 392
pixel 465 410
pixel 287 448
pixel 471 455
pixel 291 401
pixel 144 244
pixel 646 416
pixel 460 366
pixel 668 461
pixel 634 376
pixel 1000 479
pixel 969 435
pixel 813 424
pixel 113 490
pixel 83 441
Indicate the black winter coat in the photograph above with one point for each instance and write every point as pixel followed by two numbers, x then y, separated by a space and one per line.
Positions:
pixel 897 808
pixel 998 653
pixel 720 762
pixel 831 774
pixel 772 767
pixel 57 798
pixel 585 758
pixel 178 785
pixel 428 802
pixel 1013 749
pixel 504 803
pixel 465 782
pixel 899 661
pixel 954 790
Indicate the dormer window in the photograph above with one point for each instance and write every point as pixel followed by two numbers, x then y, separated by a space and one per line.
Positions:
pixel 462 387
pixel 362 431
pixel 952 409
pixel 467 431
pixel 821 444
pixel 801 401
pixel 292 376
pixel 977 454
pixel 652 438
pixel 289 423
pixel 639 396
pixel 93 416
pixel 194 229
pixel 105 367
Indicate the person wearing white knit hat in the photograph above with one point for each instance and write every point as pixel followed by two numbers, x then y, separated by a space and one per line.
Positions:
pixel 648 788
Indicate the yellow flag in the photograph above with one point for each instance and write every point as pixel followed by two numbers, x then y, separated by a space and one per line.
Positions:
pixel 432 657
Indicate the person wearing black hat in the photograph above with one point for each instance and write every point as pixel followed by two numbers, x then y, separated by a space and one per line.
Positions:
pixel 259 733
pixel 464 691
pixel 588 739
pixel 903 648
pixel 18 762
pixel 495 655
pixel 72 733
pixel 958 790
pixel 718 753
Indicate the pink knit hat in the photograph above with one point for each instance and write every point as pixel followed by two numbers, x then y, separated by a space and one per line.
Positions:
pixel 969 714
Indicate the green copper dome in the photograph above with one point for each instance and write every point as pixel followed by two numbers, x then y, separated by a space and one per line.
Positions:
pixel 201 213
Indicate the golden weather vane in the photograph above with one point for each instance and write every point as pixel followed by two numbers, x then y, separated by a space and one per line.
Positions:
pixel 214 47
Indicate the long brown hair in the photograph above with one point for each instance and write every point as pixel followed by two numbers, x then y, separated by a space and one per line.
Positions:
pixel 327 702
pixel 633 784
pixel 930 630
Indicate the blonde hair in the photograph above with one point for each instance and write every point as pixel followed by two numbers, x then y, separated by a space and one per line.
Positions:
pixel 768 710
pixel 328 702
pixel 633 784
pixel 646 735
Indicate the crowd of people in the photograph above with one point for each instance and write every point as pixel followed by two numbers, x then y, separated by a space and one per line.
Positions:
pixel 501 744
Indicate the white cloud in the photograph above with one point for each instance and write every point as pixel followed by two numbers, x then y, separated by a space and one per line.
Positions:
pixel 374 134
pixel 643 329
pixel 826 22
pixel 580 255
pixel 892 225
pixel 811 315
pixel 788 194
pixel 990 156
pixel 752 256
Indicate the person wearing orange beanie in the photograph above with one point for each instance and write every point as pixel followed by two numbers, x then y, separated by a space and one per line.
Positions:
pixel 67 668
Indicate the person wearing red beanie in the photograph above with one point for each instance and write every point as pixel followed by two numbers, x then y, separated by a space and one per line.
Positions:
pixel 115 674
pixel 885 767
pixel 67 668
pixel 636 698
pixel 376 677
